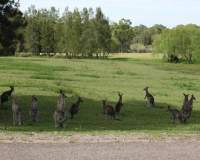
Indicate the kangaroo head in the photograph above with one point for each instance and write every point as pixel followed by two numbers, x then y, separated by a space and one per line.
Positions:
pixel 120 95
pixel 80 99
pixel 186 95
pixel 12 88
pixel 62 93
pixel 168 108
pixel 193 97
pixel 104 102
pixel 34 98
pixel 146 88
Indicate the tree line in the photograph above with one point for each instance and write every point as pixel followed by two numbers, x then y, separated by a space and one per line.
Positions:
pixel 77 33
pixel 88 33
pixel 84 33
pixel 179 43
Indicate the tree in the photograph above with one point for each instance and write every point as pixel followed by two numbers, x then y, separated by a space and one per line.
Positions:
pixel 123 33
pixel 41 30
pixel 11 20
pixel 178 42
pixel 72 32
pixel 48 30
pixel 33 31
pixel 102 33
pixel 89 34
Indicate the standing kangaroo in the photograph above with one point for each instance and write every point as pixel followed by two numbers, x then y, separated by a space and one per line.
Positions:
pixel 188 106
pixel 150 98
pixel 74 109
pixel 119 104
pixel 61 101
pixel 108 109
pixel 17 117
pixel 185 101
pixel 59 118
pixel 6 95
pixel 34 109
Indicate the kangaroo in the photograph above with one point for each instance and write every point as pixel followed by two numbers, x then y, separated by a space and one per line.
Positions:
pixel 61 101
pixel 188 106
pixel 150 98
pixel 6 95
pixel 104 107
pixel 34 109
pixel 74 109
pixel 59 118
pixel 185 101
pixel 119 104
pixel 109 109
pixel 176 115
pixel 16 110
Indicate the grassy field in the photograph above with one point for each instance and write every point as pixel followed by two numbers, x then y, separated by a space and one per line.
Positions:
pixel 95 80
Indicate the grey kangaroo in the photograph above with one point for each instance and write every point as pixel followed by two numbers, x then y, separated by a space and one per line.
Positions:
pixel 74 109
pixel 149 97
pixel 176 115
pixel 188 106
pixel 59 118
pixel 6 95
pixel 185 101
pixel 108 109
pixel 34 109
pixel 61 101
pixel 16 110
pixel 119 104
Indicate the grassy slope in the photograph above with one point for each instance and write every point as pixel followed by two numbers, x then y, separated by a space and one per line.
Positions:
pixel 101 79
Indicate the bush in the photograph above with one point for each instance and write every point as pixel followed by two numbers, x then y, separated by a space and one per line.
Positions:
pixel 140 48
pixel 23 54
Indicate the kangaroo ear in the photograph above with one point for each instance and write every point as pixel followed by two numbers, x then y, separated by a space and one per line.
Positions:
pixel 12 87
pixel 194 97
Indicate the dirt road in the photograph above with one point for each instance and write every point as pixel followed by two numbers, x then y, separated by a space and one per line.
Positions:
pixel 155 150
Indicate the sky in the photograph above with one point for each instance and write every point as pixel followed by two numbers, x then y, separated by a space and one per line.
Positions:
pixel 148 12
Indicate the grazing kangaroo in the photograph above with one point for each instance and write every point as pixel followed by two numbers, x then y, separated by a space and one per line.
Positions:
pixel 74 109
pixel 34 109
pixel 59 118
pixel 6 95
pixel 16 110
pixel 176 115
pixel 119 104
pixel 150 98
pixel 109 109
pixel 61 101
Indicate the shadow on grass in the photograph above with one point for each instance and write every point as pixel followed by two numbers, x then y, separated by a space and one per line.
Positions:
pixel 124 59
pixel 135 116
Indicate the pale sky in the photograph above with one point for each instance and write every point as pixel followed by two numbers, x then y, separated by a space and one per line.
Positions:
pixel 148 12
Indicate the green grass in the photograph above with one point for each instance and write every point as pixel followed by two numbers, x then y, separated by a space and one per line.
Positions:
pixel 95 80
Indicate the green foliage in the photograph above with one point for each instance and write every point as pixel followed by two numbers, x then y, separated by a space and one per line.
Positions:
pixel 181 41
pixel 77 33
pixel 123 34
pixel 145 36
pixel 11 21
pixel 41 30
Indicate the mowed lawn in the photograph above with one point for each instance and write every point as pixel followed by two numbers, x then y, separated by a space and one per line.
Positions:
pixel 95 80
